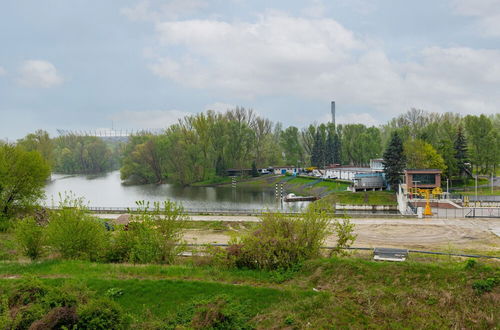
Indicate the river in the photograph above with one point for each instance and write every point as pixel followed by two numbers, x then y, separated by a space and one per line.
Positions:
pixel 107 190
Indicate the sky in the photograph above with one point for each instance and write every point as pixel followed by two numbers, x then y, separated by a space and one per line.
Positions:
pixel 136 64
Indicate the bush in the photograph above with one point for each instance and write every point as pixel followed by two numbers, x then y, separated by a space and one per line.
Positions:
pixel 470 263
pixel 29 237
pixel 482 286
pixel 219 312
pixel 154 235
pixel 29 290
pixel 26 315
pixel 282 241
pixel 57 318
pixel 345 236
pixel 101 314
pixel 74 233
pixel 5 223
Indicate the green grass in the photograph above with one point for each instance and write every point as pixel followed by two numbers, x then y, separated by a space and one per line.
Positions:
pixel 213 181
pixel 363 198
pixel 482 191
pixel 348 292
pixel 468 183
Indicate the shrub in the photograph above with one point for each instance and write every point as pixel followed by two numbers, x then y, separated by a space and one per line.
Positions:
pixel 29 237
pixel 282 241
pixel 74 233
pixel 26 315
pixel 470 263
pixel 29 290
pixel 5 320
pixel 219 312
pixel 154 234
pixel 66 295
pixel 101 314
pixel 345 236
pixel 57 318
pixel 5 223
pixel 482 286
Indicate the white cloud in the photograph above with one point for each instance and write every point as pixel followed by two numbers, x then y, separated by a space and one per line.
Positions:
pixel 220 106
pixel 149 119
pixel 2 71
pixel 320 59
pixel 38 73
pixel 487 12
pixel 154 10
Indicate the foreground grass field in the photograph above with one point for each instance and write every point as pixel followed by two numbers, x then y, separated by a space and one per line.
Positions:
pixel 327 293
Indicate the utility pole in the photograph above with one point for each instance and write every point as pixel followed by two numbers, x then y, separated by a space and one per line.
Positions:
pixel 476 192
pixel 492 183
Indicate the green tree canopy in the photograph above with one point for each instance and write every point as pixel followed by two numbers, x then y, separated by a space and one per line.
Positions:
pixel 422 155
pixel 394 160
pixel 22 177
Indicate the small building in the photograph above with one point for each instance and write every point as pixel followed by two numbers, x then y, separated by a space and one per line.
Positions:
pixel 344 172
pixel 286 170
pixel 369 181
pixel 422 178
pixel 377 165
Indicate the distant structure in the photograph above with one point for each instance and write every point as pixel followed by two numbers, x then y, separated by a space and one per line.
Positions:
pixel 333 113
pixel 106 133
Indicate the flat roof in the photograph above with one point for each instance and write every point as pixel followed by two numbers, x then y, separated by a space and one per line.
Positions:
pixel 423 170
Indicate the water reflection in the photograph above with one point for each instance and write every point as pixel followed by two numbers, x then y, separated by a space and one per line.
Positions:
pixel 107 191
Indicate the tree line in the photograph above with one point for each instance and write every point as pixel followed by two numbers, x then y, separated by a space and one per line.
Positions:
pixel 203 146
pixel 71 154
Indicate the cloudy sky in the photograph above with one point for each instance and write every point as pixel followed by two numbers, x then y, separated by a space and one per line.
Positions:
pixel 87 64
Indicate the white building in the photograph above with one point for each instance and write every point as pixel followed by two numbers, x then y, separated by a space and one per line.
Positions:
pixel 377 164
pixel 345 172
pixel 286 170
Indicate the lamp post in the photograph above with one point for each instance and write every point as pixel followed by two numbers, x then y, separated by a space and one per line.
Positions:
pixel 476 192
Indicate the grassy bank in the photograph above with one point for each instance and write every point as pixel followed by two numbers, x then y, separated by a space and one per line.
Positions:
pixel 363 198
pixel 335 292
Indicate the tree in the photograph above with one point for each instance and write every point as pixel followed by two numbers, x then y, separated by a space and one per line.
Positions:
pixel 39 141
pixel 422 155
pixel 337 147
pixel 461 154
pixel 255 172
pixel 483 140
pixel 394 160
pixel 22 177
pixel 291 145
pixel 318 151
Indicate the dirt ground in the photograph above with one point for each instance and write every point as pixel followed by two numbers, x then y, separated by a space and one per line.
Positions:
pixel 467 235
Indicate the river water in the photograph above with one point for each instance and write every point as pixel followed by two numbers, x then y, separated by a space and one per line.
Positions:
pixel 107 190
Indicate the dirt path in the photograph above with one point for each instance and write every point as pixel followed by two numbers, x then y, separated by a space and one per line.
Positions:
pixel 414 234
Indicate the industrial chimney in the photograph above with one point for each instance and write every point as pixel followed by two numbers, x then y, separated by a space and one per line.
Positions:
pixel 333 113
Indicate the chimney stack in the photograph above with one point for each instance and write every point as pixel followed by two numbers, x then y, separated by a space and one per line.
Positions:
pixel 333 113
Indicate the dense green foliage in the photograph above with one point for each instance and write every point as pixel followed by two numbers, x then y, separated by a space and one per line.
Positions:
pixel 30 237
pixel 394 161
pixel 420 154
pixel 22 177
pixel 84 154
pixel 74 234
pixel 33 304
pixel 281 241
pixel 154 235
pixel 207 144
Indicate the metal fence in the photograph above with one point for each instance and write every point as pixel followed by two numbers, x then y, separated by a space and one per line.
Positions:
pixel 467 212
